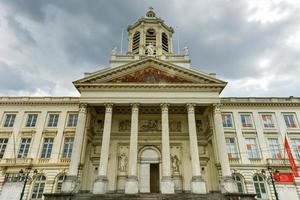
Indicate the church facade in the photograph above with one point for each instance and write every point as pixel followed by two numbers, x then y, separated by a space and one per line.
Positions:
pixel 148 123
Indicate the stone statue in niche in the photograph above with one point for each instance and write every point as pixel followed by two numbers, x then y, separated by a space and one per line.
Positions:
pixel 175 126
pixel 199 125
pixel 175 163
pixel 150 49
pixel 99 125
pixel 150 125
pixel 123 162
pixel 124 125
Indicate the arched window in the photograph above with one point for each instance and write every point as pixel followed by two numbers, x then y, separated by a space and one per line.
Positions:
pixel 38 188
pixel 260 187
pixel 239 183
pixel 165 42
pixel 136 42
pixel 59 183
pixel 151 38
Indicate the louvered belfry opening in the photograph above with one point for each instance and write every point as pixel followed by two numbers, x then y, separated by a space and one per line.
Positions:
pixel 136 42
pixel 151 38
pixel 165 42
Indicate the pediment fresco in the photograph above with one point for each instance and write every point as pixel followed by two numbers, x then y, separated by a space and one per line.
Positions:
pixel 150 75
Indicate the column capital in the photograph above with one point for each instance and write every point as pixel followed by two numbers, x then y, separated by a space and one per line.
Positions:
pixel 108 107
pixel 164 107
pixel 82 107
pixel 190 107
pixel 135 107
pixel 217 108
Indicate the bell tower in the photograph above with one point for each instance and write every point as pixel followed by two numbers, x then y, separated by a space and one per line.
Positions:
pixel 150 36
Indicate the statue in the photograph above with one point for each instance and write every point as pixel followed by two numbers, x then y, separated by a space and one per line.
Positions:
pixel 186 51
pixel 175 163
pixel 123 162
pixel 150 49
pixel 114 51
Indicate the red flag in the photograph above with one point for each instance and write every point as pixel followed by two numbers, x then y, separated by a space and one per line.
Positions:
pixel 291 158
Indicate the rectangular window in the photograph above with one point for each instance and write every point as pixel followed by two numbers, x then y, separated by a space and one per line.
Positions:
pixel 227 120
pixel 246 121
pixel 24 147
pixel 3 144
pixel 72 120
pixel 252 149
pixel 53 120
pixel 268 121
pixel 295 145
pixel 231 148
pixel 9 120
pixel 47 148
pixel 274 148
pixel 68 147
pixel 31 120
pixel 290 121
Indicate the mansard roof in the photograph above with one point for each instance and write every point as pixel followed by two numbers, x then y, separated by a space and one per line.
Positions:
pixel 150 72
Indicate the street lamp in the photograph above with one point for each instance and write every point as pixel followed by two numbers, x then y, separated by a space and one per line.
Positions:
pixel 26 174
pixel 271 171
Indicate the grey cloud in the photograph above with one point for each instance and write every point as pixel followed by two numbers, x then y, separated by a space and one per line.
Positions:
pixel 23 34
pixel 80 35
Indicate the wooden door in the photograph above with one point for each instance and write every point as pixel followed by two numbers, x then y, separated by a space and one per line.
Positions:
pixel 154 178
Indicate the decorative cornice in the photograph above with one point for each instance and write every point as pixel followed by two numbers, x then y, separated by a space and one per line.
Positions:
pixel 261 101
pixel 5 100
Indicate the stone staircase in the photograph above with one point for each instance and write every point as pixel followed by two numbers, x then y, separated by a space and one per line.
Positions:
pixel 152 196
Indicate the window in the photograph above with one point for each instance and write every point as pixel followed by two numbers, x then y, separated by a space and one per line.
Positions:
pixel 9 120
pixel 3 144
pixel 231 148
pixel 239 183
pixel 24 147
pixel 31 120
pixel 227 120
pixel 260 187
pixel 268 121
pixel 60 181
pixel 295 145
pixel 53 120
pixel 290 121
pixel 246 121
pixel 252 149
pixel 274 148
pixel 72 120
pixel 68 146
pixel 47 148
pixel 38 188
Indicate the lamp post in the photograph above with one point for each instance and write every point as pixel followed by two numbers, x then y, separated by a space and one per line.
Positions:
pixel 270 170
pixel 26 174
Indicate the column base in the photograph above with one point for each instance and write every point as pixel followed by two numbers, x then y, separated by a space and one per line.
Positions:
pixel 100 185
pixel 167 185
pixel 132 185
pixel 228 185
pixel 198 185
pixel 69 185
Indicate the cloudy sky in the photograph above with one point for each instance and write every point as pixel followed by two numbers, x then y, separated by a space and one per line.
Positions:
pixel 47 44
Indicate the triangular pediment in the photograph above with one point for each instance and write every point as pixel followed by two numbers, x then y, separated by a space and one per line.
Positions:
pixel 149 71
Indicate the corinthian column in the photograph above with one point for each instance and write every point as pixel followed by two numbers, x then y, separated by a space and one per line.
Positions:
pixel 70 182
pixel 100 185
pixel 131 186
pixel 227 182
pixel 167 185
pixel 198 184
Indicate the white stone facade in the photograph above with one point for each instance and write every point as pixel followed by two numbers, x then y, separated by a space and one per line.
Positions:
pixel 148 123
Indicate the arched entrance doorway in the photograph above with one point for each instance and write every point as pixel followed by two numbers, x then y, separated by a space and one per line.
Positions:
pixel 149 175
